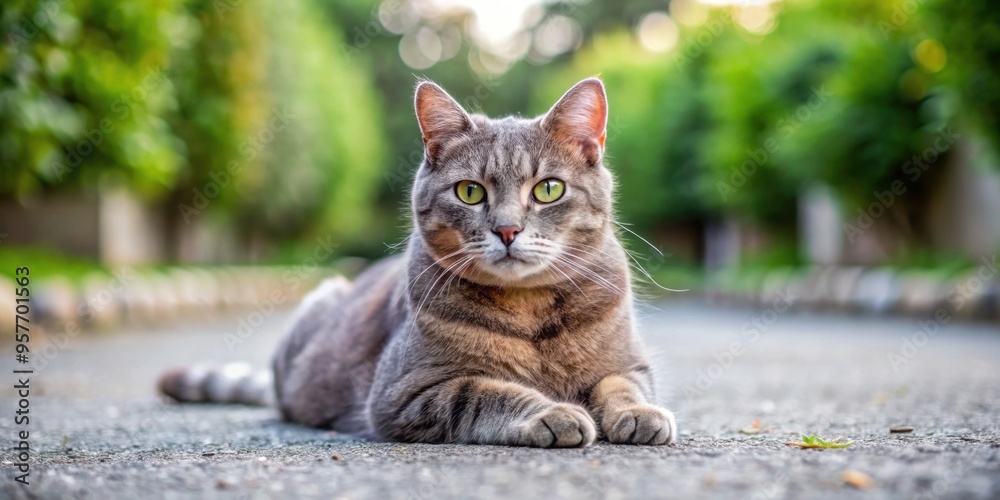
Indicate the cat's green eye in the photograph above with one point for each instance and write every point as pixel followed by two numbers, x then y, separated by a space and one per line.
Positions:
pixel 549 190
pixel 470 192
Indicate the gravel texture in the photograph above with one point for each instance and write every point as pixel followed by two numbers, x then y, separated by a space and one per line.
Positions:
pixel 99 431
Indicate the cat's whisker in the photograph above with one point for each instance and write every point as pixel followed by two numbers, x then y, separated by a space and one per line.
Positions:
pixel 586 248
pixel 557 251
pixel 619 224
pixel 458 272
pixel 590 273
pixel 629 261
pixel 409 286
pixel 464 248
pixel 427 292
pixel 642 270
pixel 607 285
pixel 549 268
pixel 591 263
pixel 572 267
pixel 646 273
pixel 438 278
pixel 396 246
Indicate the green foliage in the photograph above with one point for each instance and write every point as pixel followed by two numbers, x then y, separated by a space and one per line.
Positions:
pixel 654 124
pixel 84 94
pixel 322 168
pixel 222 100
pixel 752 89
pixel 246 104
pixel 279 101
pixel 737 123
pixel 879 111
pixel 826 97
pixel 45 262
pixel 813 441
pixel 970 33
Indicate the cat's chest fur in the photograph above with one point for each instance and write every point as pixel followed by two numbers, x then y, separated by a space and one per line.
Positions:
pixel 556 340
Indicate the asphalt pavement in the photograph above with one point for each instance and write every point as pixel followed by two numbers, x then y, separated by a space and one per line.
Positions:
pixel 743 383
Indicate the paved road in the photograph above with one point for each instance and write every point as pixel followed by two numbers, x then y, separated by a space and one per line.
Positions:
pixel 98 431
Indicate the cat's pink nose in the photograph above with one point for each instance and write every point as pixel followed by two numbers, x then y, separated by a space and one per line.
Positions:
pixel 507 233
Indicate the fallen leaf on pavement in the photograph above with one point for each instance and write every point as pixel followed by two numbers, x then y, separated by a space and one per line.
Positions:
pixel 818 442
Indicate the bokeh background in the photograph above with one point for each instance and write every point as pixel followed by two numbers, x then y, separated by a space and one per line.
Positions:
pixel 217 149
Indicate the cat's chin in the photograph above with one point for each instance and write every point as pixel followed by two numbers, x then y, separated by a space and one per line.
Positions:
pixel 511 272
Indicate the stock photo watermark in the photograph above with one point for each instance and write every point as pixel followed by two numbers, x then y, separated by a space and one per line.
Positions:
pixel 751 332
pixel 86 310
pixel 786 126
pixel 378 17
pixel 23 375
pixel 28 27
pixel 74 154
pixel 219 178
pixel 914 168
pixel 901 14
pixel 292 280
pixel 958 299
pixel 702 40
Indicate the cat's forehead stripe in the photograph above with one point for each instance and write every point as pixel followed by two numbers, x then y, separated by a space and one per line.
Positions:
pixel 507 153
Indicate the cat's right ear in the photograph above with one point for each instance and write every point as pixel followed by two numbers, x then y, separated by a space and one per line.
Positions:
pixel 440 118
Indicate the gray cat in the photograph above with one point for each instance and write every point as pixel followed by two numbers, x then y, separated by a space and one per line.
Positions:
pixel 508 320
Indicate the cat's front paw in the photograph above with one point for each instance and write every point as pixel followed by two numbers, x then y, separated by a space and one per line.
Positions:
pixel 561 426
pixel 643 424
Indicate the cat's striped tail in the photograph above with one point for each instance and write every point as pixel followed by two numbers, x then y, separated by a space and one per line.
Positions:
pixel 234 383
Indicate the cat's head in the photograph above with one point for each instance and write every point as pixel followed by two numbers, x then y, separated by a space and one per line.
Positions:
pixel 513 201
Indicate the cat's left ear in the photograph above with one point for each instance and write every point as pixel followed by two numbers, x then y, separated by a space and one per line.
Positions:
pixel 580 119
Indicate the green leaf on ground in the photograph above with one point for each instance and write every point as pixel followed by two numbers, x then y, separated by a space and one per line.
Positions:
pixel 813 441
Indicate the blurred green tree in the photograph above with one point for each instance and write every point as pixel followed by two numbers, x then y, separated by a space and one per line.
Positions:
pixel 239 108
pixel 655 121
pixel 84 90
pixel 970 35
pixel 283 104
pixel 879 111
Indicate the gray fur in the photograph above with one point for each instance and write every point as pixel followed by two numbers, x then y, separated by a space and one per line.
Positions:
pixel 463 339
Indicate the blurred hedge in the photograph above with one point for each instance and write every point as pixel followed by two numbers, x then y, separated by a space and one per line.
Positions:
pixel 84 92
pixel 840 92
pixel 970 34
pixel 174 98
pixel 727 124
pixel 656 119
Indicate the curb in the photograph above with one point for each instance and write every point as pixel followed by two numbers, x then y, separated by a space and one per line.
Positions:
pixel 127 296
pixel 103 301
pixel 973 294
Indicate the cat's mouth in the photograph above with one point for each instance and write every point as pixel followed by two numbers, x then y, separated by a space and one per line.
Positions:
pixel 511 267
pixel 510 259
